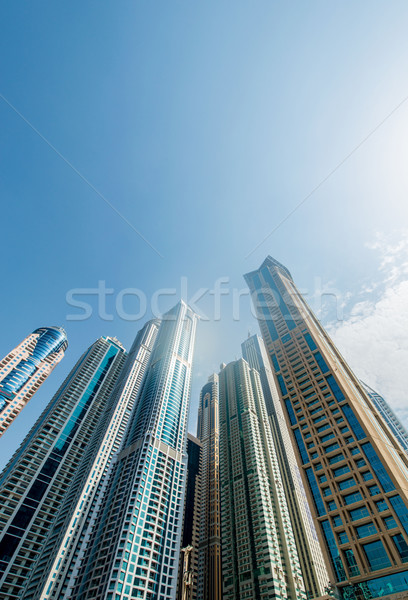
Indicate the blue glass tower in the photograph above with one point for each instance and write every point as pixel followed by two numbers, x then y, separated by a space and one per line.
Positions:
pixel 26 367
pixel 389 416
pixel 36 479
pixel 134 544
pixel 354 471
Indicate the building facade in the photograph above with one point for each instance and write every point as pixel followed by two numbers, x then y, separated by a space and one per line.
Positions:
pixel 187 583
pixel 259 554
pixel 134 545
pixel 388 415
pixel 36 479
pixel 209 548
pixel 26 367
pixel 354 471
pixel 311 559
pixel 65 542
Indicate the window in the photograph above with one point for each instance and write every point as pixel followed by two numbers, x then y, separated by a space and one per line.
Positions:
pixel 401 510
pixel 343 537
pixel 367 476
pixel 365 530
pixel 333 551
pixel 331 447
pixel 351 498
pixel 337 521
pixel 301 446
pixel 314 488
pixel 378 467
pixel 341 471
pixel 321 362
pixel 337 393
pixel 351 563
pixel 374 490
pixel 354 423
pixel 331 505
pixel 401 546
pixel 360 463
pixel 347 483
pixel 381 505
pixel 376 555
pixel 355 451
pixel 326 438
pixel 327 492
pixel 335 459
pixel 322 478
pixel 359 513
pixel 390 522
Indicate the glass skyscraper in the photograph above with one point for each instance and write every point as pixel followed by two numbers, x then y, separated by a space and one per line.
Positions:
pixel 134 545
pixel 51 577
pixel 209 549
pixel 354 471
pixel 26 367
pixel 311 559
pixel 388 415
pixel 34 482
pixel 259 554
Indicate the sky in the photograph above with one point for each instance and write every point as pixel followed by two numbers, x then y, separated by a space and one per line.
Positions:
pixel 163 149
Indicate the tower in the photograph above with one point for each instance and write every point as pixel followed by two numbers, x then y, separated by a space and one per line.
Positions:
pixel 310 554
pixel 66 540
pixel 209 549
pixel 354 471
pixel 388 415
pixel 35 480
pixel 26 367
pixel 259 555
pixel 134 545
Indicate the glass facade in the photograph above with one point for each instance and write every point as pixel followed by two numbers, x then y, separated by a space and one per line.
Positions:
pixel 55 450
pixel 24 369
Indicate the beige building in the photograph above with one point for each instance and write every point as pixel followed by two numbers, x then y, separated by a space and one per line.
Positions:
pixel 353 468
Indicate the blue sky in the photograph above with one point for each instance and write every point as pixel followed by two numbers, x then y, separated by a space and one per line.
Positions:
pixel 205 124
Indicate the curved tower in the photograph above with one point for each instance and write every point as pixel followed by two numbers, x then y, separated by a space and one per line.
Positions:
pixel 26 367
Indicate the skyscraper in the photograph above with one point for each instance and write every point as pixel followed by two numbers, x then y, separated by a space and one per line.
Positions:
pixel 355 473
pixel 209 549
pixel 34 482
pixel 187 582
pixel 26 367
pixel 388 415
pixel 259 555
pixel 65 541
pixel 133 550
pixel 310 554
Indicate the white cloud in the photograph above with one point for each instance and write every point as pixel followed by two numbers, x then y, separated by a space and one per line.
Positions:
pixel 374 336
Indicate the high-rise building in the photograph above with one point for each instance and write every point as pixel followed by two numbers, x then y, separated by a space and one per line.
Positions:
pixel 187 582
pixel 34 482
pixel 311 559
pixel 134 545
pixel 66 539
pixel 209 549
pixel 26 367
pixel 259 554
pixel 388 415
pixel 354 471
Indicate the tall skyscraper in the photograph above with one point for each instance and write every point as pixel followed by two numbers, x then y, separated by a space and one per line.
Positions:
pixel 65 541
pixel 355 473
pixel 209 549
pixel 34 482
pixel 310 554
pixel 26 367
pixel 388 415
pixel 133 549
pixel 187 581
pixel 259 555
